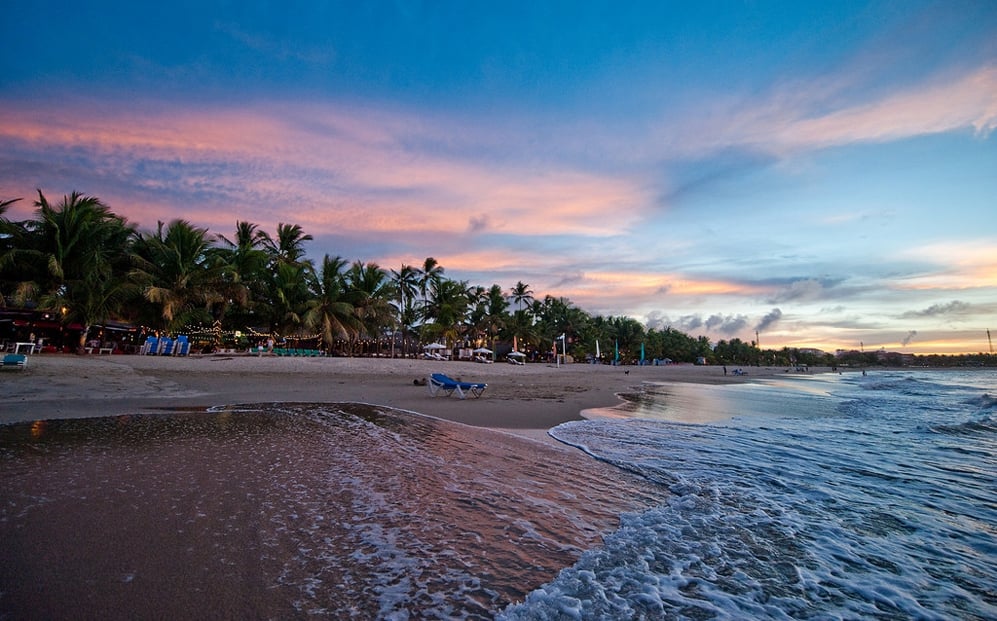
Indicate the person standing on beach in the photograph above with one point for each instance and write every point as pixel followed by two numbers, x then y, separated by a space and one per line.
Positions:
pixel 725 369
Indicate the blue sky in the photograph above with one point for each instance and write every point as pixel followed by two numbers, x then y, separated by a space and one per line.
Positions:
pixel 822 173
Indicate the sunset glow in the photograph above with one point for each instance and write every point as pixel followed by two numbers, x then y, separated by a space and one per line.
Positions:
pixel 821 174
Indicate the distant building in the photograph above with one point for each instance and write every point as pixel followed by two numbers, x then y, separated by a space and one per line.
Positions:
pixel 812 351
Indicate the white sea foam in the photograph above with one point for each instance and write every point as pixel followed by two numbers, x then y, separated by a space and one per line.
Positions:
pixel 863 510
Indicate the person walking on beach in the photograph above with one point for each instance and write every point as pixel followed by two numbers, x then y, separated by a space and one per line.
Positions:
pixel 725 369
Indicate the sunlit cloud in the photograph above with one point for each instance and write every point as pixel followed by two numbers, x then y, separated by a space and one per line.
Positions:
pixel 335 171
pixel 808 116
pixel 966 264
pixel 700 214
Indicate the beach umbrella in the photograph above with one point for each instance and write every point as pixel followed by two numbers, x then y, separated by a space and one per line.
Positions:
pixel 435 346
pixel 616 351
pixel 517 354
pixel 482 350
pixel 642 352
pixel 597 354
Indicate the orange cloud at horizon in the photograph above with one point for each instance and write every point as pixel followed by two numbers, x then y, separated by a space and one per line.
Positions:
pixel 968 264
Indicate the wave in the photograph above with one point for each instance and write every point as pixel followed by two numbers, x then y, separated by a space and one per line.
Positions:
pixel 905 385
pixel 861 515
pixel 984 402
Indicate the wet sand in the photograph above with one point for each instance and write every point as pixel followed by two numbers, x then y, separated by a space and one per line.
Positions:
pixel 198 524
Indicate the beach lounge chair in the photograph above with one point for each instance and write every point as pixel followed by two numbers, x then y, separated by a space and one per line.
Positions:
pixel 166 346
pixel 439 382
pixel 182 346
pixel 150 347
pixel 15 361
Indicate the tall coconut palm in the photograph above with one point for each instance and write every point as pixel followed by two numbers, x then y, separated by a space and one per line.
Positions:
pixel 495 316
pixel 447 307
pixel 12 239
pixel 289 246
pixel 371 292
pixel 288 296
pixel 75 256
pixel 176 273
pixel 430 274
pixel 406 283
pixel 329 311
pixel 245 254
pixel 521 321
pixel 521 294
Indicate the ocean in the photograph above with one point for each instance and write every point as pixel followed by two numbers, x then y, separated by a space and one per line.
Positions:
pixel 818 497
pixel 807 497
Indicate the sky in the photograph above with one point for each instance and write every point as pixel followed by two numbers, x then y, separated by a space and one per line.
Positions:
pixel 807 174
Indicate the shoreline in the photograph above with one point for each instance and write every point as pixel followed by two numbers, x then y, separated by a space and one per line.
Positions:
pixel 527 400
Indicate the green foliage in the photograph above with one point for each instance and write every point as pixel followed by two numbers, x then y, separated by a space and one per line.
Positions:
pixel 90 265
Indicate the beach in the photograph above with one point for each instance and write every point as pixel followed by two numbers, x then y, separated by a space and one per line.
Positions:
pixel 518 398
pixel 291 488
pixel 238 486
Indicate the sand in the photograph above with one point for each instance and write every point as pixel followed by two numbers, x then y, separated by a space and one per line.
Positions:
pixel 528 398
pixel 202 526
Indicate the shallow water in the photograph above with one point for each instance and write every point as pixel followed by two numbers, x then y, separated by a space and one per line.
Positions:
pixel 835 497
pixel 291 511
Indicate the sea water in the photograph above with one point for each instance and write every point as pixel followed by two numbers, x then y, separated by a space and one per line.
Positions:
pixel 827 497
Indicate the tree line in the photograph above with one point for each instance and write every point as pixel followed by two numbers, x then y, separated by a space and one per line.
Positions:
pixel 89 265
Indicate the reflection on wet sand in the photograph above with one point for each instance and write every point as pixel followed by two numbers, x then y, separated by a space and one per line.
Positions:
pixel 281 511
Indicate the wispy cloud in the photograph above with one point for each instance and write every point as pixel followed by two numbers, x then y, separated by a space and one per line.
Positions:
pixel 963 264
pixel 811 116
pixel 953 308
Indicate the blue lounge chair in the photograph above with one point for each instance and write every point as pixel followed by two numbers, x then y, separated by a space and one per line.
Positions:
pixel 151 346
pixel 15 361
pixel 440 382
pixel 166 346
pixel 182 346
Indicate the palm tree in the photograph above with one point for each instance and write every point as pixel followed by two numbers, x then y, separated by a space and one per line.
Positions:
pixel 74 256
pixel 289 247
pixel 522 293
pixel 406 282
pixel 430 274
pixel 447 307
pixel 246 254
pixel 175 271
pixel 370 292
pixel 247 260
pixel 283 288
pixel 495 317
pixel 288 296
pixel 12 238
pixel 329 310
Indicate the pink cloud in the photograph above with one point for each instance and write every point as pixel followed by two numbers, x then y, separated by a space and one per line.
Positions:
pixel 806 116
pixel 335 170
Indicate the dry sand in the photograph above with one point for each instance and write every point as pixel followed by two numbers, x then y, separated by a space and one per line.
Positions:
pixel 522 398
